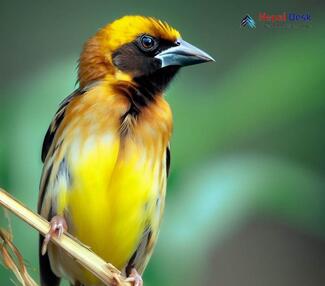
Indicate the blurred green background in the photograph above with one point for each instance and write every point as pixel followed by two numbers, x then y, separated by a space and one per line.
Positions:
pixel 246 201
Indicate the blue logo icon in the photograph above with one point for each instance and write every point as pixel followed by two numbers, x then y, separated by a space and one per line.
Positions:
pixel 248 21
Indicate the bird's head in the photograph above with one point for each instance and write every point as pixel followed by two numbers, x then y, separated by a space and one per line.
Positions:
pixel 135 49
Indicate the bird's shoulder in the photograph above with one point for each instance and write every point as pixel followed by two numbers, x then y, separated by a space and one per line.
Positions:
pixel 56 121
pixel 72 109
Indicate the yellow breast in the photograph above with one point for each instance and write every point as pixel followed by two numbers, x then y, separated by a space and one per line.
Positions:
pixel 113 200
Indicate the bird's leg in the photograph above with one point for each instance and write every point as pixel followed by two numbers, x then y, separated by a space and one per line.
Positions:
pixel 135 278
pixel 57 226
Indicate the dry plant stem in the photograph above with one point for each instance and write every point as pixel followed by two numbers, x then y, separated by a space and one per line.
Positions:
pixel 106 272
pixel 13 260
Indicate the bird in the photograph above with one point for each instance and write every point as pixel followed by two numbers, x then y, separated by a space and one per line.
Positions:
pixel 106 154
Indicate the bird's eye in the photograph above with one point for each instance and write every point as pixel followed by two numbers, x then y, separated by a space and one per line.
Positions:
pixel 147 42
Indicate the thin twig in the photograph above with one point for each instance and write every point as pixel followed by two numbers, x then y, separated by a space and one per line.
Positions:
pixel 106 272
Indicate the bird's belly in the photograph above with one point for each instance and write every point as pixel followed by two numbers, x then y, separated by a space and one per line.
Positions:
pixel 113 198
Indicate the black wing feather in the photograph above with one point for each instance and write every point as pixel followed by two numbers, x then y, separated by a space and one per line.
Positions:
pixel 167 160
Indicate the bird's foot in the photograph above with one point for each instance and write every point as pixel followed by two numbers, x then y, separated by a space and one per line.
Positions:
pixel 57 226
pixel 135 278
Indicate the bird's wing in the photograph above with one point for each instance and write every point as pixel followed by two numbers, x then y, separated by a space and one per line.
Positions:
pixel 51 131
pixel 46 273
pixel 48 146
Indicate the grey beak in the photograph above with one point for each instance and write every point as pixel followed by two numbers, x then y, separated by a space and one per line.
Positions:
pixel 184 54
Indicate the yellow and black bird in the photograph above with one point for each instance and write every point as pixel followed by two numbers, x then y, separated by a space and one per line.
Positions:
pixel 106 153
